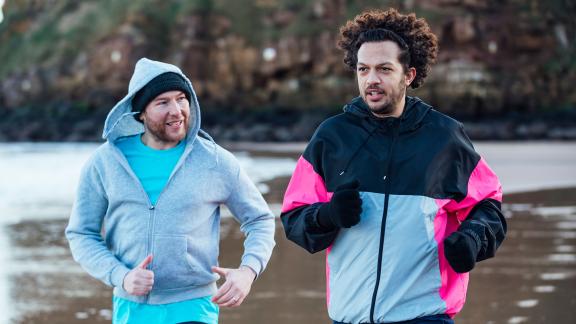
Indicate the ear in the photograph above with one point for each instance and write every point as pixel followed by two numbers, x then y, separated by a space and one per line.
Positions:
pixel 410 76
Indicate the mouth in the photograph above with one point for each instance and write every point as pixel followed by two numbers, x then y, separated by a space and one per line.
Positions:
pixel 374 94
pixel 175 123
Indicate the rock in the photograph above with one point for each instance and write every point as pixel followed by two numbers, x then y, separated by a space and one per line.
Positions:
pixel 495 58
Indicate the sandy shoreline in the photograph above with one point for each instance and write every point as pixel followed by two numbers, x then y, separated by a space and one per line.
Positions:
pixel 531 281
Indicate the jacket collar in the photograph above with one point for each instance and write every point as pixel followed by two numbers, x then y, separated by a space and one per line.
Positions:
pixel 414 112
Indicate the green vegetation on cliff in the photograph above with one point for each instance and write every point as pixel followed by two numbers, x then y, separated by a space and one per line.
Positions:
pixel 71 60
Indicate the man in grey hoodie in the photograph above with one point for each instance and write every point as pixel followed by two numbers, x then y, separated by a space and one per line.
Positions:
pixel 147 213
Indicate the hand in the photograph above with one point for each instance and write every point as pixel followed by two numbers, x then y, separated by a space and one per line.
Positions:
pixel 461 250
pixel 236 287
pixel 139 281
pixel 344 208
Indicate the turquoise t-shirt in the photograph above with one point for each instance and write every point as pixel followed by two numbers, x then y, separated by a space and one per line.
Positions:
pixel 153 168
pixel 194 310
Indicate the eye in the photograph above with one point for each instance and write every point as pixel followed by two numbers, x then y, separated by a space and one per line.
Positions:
pixel 362 69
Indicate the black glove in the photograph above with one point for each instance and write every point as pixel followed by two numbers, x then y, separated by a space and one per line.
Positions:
pixel 461 248
pixel 344 208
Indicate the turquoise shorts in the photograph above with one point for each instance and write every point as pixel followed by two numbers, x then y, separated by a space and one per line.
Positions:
pixel 198 310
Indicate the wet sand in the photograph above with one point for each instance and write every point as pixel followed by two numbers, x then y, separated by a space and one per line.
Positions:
pixel 532 279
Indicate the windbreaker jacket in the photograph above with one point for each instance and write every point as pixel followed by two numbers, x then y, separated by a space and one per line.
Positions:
pixel 181 230
pixel 419 179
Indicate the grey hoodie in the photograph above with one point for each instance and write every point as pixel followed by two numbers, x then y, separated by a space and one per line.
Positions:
pixel 114 226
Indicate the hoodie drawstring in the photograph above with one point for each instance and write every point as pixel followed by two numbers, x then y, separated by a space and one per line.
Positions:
pixel 358 150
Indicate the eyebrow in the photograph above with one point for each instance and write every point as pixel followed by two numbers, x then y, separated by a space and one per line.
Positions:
pixel 379 64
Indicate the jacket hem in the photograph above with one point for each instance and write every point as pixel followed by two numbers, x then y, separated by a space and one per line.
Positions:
pixel 159 297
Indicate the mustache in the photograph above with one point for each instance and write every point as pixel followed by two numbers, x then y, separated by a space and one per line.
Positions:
pixel 370 89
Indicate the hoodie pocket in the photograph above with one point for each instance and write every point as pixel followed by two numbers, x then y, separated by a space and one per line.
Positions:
pixel 172 264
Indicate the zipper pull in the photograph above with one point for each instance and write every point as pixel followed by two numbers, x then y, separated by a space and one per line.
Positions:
pixel 151 207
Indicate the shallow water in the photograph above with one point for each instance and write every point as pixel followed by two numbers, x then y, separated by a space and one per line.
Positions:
pixel 532 279
pixel 37 186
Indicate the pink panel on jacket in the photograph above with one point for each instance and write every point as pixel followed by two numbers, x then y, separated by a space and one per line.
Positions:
pixel 453 285
pixel 483 184
pixel 306 187
pixel 328 277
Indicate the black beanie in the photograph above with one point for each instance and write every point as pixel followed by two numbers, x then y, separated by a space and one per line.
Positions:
pixel 168 81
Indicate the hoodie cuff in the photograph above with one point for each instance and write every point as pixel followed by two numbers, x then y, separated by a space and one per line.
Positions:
pixel 253 263
pixel 117 276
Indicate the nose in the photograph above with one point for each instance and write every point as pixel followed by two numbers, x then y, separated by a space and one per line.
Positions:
pixel 372 78
pixel 174 108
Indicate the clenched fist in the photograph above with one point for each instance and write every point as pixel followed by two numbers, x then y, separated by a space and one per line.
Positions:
pixel 344 209
pixel 236 287
pixel 139 281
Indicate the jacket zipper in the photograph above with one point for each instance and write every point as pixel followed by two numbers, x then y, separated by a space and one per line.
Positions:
pixel 151 207
pixel 383 226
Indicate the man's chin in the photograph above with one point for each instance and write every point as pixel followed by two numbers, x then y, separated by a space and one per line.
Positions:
pixel 174 138
pixel 179 137
pixel 376 106
pixel 381 109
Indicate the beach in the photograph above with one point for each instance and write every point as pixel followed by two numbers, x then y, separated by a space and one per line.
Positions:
pixel 531 280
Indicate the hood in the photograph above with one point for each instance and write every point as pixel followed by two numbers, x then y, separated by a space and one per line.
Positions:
pixel 120 121
pixel 414 112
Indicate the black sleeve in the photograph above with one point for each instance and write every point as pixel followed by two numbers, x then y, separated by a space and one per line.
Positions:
pixel 490 225
pixel 301 227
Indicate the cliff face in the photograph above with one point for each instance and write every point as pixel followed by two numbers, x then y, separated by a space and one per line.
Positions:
pixel 71 60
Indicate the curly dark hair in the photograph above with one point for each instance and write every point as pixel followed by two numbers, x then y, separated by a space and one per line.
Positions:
pixel 416 39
